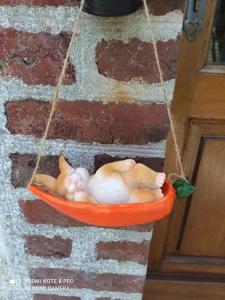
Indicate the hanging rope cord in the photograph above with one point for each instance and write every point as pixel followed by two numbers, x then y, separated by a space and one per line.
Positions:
pixel 57 92
pixel 165 94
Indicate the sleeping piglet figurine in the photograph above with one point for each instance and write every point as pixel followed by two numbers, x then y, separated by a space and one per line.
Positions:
pixel 119 182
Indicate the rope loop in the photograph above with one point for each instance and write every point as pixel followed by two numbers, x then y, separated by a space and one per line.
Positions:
pixel 58 88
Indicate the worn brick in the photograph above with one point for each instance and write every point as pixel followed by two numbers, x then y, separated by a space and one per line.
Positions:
pixel 82 279
pixel 84 121
pixel 38 212
pixel 56 247
pixel 80 120
pixel 138 124
pixel 140 228
pixel 123 251
pixel 161 7
pixel 135 60
pixel 38 2
pixel 23 167
pixel 53 297
pixel 35 58
pixel 155 163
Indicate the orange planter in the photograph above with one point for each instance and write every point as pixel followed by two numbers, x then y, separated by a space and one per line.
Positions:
pixel 113 215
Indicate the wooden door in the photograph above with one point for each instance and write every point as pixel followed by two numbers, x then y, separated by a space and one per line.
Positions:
pixel 190 244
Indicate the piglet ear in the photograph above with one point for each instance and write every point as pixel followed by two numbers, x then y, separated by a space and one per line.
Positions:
pixel 48 181
pixel 63 165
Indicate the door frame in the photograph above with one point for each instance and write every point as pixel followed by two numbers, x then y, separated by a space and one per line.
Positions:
pixel 187 71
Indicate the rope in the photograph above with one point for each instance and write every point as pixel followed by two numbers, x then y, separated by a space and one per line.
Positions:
pixel 57 91
pixel 62 75
pixel 164 89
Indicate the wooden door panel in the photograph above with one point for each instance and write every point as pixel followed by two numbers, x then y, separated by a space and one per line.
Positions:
pixel 192 239
pixel 183 290
pixel 190 243
pixel 180 264
pixel 200 132
pixel 209 96
pixel 204 232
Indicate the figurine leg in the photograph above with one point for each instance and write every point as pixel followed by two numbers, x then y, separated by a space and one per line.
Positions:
pixel 48 181
pixel 81 196
pixel 71 184
pixel 145 195
pixel 143 177
pixel 119 166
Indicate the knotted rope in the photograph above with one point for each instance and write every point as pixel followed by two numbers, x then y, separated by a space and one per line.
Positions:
pixel 58 88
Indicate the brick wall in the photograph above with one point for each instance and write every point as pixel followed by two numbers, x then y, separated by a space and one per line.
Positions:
pixel 111 108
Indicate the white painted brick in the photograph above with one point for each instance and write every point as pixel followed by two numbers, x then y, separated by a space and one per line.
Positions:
pixel 56 19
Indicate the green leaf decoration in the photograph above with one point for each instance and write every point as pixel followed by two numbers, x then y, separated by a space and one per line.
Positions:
pixel 183 188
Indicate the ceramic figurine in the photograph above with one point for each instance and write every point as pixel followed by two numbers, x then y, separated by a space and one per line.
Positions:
pixel 119 182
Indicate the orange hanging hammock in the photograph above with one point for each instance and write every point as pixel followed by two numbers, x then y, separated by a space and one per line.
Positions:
pixel 113 215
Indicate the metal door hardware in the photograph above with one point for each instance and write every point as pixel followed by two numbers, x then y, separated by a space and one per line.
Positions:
pixel 193 24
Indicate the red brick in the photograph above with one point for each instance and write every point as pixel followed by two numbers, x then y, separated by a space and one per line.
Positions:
pixel 155 163
pixel 81 120
pixel 84 121
pixel 38 2
pixel 161 7
pixel 23 167
pixel 53 297
pixel 81 279
pixel 56 247
pixel 140 228
pixel 38 212
pixel 138 124
pixel 135 60
pixel 123 251
pixel 35 58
